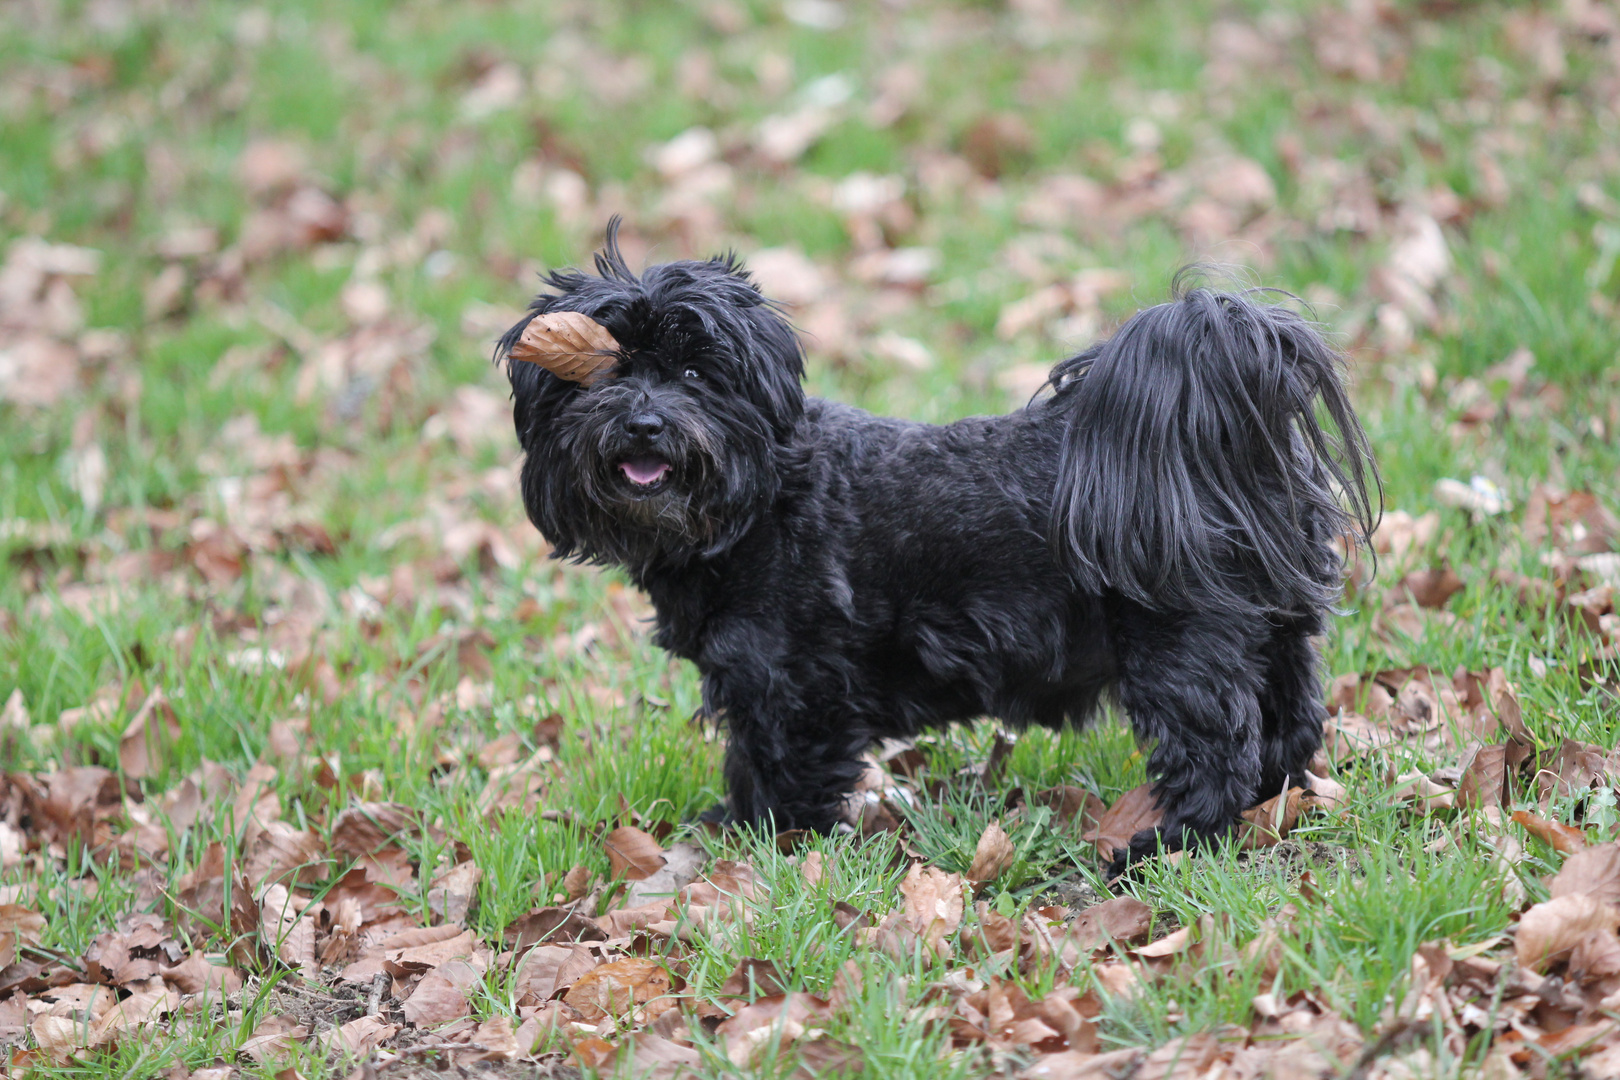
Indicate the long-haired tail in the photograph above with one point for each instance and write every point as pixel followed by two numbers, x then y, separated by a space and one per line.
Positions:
pixel 1196 470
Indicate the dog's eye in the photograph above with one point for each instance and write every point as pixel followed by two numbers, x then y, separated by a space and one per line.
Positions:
pixel 691 373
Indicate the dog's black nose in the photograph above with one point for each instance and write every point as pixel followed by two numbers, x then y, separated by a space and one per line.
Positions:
pixel 647 425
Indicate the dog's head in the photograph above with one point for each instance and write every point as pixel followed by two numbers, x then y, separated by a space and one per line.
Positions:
pixel 673 454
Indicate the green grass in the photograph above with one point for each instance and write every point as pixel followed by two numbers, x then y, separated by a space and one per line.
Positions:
pixel 114 131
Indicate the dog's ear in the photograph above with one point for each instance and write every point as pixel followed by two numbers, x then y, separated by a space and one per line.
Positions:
pixel 773 352
pixel 531 384
pixel 779 360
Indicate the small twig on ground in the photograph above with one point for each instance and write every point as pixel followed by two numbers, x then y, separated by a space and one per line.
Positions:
pixel 374 998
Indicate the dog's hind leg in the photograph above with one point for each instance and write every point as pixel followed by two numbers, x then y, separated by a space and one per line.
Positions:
pixel 1291 711
pixel 1190 683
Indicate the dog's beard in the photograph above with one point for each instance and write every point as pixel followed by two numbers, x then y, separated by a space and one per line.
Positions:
pixel 605 494
pixel 660 493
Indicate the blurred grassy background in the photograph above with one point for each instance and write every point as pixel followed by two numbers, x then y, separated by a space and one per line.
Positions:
pixel 253 452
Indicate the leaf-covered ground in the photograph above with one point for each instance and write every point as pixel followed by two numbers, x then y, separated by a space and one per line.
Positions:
pixel 313 762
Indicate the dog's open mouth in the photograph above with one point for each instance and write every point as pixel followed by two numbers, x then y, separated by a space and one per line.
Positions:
pixel 645 471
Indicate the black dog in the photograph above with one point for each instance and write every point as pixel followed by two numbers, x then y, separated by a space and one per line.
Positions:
pixel 1161 525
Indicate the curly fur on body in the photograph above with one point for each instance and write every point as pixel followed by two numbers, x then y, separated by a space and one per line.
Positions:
pixel 1161 526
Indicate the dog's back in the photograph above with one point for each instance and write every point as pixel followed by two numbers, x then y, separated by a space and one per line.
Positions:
pixel 932 543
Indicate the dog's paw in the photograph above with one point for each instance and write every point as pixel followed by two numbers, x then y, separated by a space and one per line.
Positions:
pixel 1162 841
pixel 1143 844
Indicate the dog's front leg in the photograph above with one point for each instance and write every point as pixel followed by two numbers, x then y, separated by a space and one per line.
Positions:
pixel 1191 683
pixel 787 764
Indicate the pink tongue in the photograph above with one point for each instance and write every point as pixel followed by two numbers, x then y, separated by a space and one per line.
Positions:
pixel 644 470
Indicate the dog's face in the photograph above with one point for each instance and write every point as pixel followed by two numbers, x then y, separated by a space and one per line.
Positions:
pixel 673 455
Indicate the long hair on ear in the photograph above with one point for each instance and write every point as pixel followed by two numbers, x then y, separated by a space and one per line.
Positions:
pixel 1196 470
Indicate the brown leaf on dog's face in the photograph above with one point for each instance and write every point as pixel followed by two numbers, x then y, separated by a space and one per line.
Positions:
pixel 568 344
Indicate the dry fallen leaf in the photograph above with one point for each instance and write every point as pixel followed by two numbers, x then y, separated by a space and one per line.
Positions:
pixel 1075 1065
pixel 1577 766
pixel 787 275
pixel 1181 1059
pixel 198 974
pixel 1562 837
pixel 753 978
pixel 268 165
pixel 427 947
pixel 1577 523
pixel 494 1040
pixel 549 970
pixel 1124 918
pixel 285 855
pixel 551 924
pixel 1594 871
pixel 1425 793
pixel 615 988
pixel 681 864
pixel 825 1056
pixel 452 893
pixel 60 1037
pixel 359 1037
pixel 134 952
pixel 441 995
pixel 1172 944
pixel 147 1003
pixel 1484 778
pixel 367 828
pixel 1071 805
pixel 813 868
pixel 775 1021
pixel 1134 811
pixel 287 930
pixel 568 344
pixel 1267 824
pixel 932 911
pixel 149 738
pixel 993 855
pixel 593 1053
pixel 1432 588
pixel 1424 707
pixel 632 853
pixel 1549 930
pixel 18 926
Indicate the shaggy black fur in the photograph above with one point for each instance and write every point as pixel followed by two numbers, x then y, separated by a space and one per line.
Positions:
pixel 1161 525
